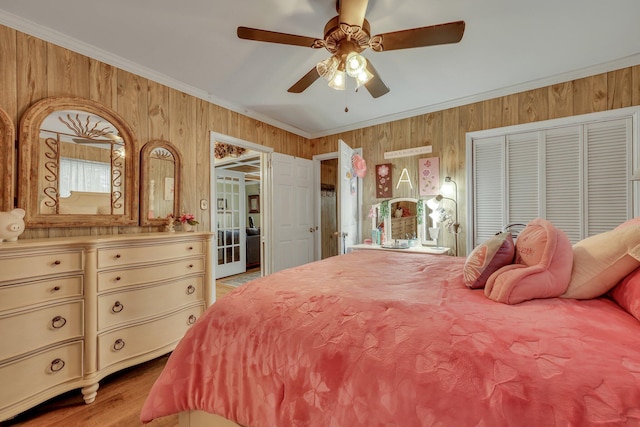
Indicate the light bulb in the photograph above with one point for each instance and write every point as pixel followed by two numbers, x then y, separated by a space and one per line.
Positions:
pixel 363 77
pixel 327 67
pixel 355 64
pixel 338 81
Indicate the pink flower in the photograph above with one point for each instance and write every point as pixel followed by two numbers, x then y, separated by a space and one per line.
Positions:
pixel 383 170
pixel 187 218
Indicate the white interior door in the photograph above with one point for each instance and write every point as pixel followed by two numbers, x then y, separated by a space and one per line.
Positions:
pixel 293 216
pixel 348 186
pixel 230 223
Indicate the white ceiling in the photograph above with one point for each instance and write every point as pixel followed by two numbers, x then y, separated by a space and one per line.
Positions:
pixel 508 46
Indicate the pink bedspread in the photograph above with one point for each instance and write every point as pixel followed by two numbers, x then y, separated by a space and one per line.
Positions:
pixel 386 339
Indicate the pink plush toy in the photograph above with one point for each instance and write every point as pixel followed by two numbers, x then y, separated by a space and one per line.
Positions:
pixel 11 225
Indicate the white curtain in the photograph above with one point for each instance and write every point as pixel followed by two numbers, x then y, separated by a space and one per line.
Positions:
pixel 84 175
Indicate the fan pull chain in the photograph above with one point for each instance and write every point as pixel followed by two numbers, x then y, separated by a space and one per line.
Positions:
pixel 346 96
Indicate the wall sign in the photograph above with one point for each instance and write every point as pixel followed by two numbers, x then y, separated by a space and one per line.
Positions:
pixel 404 177
pixel 427 149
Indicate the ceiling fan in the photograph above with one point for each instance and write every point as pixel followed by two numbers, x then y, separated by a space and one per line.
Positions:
pixel 348 34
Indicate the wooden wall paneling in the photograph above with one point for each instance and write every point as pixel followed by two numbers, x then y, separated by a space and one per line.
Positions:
pixel 67 73
pixel 560 100
pixel 8 117
pixel 492 113
pixel 103 83
pixel 203 164
pixel 158 104
pixel 510 110
pixel 8 76
pixel 533 105
pixel 635 85
pixel 32 71
pixel 182 133
pixel 590 94
pixel 219 119
pixel 619 89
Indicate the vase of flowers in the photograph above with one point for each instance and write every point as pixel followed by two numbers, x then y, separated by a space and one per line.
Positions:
pixel 188 221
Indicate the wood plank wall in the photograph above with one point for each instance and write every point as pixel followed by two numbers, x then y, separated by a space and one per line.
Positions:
pixel 445 130
pixel 33 69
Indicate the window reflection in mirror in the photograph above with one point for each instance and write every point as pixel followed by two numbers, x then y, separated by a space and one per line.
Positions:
pixel 82 165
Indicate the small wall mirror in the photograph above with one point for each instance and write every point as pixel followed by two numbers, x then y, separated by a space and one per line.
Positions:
pixel 160 177
pixel 78 165
pixel 7 158
pixel 403 219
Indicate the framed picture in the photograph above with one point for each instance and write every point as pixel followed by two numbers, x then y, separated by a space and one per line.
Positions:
pixel 222 204
pixel 254 203
pixel 384 185
pixel 429 172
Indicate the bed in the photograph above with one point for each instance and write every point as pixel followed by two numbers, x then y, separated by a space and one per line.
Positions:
pixel 375 338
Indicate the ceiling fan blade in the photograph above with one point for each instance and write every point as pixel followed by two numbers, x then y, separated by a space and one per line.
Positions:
pixel 305 81
pixel 420 37
pixel 375 85
pixel 352 11
pixel 275 37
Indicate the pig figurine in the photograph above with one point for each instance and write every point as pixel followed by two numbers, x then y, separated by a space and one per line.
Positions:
pixel 11 225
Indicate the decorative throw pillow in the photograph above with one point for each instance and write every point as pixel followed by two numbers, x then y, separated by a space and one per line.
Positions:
pixel 486 258
pixel 542 266
pixel 601 261
pixel 627 293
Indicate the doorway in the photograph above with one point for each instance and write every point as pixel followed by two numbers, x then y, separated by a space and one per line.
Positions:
pixel 237 211
pixel 329 243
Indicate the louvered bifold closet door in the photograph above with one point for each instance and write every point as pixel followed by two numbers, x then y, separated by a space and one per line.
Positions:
pixel 607 161
pixel 523 177
pixel 562 156
pixel 488 187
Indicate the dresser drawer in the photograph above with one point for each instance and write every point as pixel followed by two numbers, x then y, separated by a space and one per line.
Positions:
pixel 148 274
pixel 30 266
pixel 24 377
pixel 22 295
pixel 116 256
pixel 122 344
pixel 126 306
pixel 29 330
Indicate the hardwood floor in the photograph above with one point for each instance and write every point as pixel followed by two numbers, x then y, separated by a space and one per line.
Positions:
pixel 118 404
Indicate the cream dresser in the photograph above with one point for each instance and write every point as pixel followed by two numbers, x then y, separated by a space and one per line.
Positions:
pixel 74 310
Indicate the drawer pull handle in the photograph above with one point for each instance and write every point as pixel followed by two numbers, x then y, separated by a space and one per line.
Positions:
pixel 192 319
pixel 56 288
pixel 57 262
pixel 57 365
pixel 118 345
pixel 190 289
pixel 190 248
pixel 117 256
pixel 117 278
pixel 58 322
pixel 117 307
pixel 190 266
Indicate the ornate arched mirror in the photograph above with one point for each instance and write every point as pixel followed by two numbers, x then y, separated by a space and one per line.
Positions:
pixel 78 163
pixel 160 167
pixel 7 159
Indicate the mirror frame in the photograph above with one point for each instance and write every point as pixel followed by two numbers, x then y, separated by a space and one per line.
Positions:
pixel 144 176
pixel 7 160
pixel 29 143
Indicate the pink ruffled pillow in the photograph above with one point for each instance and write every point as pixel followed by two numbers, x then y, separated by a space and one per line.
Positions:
pixel 486 258
pixel 542 266
pixel 627 294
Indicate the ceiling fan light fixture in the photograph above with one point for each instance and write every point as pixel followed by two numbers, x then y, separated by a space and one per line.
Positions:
pixel 327 67
pixel 338 81
pixel 363 77
pixel 355 64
